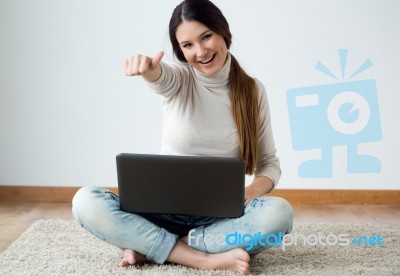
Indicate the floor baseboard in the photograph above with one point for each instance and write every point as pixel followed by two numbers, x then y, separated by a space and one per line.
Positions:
pixel 298 196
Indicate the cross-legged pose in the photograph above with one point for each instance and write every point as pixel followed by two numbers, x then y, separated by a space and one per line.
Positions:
pixel 211 108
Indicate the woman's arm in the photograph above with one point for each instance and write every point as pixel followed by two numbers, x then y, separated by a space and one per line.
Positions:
pixel 162 78
pixel 259 187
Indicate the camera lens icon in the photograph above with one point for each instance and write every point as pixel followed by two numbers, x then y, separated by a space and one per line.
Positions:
pixel 348 113
pixel 330 115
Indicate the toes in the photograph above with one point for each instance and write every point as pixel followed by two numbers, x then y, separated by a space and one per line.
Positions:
pixel 242 255
pixel 123 263
pixel 243 267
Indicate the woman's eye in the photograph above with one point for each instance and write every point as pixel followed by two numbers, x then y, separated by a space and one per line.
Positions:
pixel 187 45
pixel 207 36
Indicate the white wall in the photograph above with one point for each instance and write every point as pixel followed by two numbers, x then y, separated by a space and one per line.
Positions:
pixel 66 108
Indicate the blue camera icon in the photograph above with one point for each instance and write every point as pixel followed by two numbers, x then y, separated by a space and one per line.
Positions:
pixel 325 116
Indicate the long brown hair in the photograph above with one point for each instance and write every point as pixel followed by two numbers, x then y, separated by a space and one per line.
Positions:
pixel 244 92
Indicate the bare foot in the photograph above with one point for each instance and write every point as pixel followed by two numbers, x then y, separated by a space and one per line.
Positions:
pixel 132 257
pixel 234 260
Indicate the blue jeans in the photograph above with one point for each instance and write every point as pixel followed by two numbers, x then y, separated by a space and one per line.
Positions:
pixel 98 211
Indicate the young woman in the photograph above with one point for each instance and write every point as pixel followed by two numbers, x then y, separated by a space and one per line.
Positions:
pixel 211 107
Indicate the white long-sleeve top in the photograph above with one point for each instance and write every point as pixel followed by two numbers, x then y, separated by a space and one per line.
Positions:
pixel 198 119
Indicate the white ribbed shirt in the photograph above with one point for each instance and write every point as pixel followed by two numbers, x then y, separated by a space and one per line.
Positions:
pixel 198 120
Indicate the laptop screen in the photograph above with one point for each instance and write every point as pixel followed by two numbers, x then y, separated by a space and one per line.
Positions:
pixel 185 185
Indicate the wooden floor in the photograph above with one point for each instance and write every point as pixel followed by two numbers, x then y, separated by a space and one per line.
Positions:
pixel 15 218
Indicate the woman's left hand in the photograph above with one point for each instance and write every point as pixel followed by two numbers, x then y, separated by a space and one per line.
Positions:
pixel 249 194
pixel 260 186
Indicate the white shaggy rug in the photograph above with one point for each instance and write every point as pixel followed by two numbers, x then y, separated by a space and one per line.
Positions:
pixel 59 247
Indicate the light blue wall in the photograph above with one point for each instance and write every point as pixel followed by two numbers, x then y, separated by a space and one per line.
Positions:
pixel 66 108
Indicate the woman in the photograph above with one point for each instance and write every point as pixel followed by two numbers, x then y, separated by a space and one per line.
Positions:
pixel 211 107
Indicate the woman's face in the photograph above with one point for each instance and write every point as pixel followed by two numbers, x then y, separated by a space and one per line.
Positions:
pixel 204 49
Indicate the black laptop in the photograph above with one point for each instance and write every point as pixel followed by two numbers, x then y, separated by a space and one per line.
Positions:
pixel 184 185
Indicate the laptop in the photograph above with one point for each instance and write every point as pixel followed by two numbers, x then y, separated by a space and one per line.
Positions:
pixel 181 185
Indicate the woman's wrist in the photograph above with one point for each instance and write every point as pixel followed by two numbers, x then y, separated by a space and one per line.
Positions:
pixel 153 75
pixel 259 187
pixel 262 185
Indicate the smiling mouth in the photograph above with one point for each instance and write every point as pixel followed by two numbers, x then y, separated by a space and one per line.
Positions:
pixel 207 61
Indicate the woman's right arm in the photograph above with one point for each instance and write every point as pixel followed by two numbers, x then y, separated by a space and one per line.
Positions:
pixel 164 79
pixel 147 67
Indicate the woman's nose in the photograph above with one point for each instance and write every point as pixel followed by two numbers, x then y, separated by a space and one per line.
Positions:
pixel 201 51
